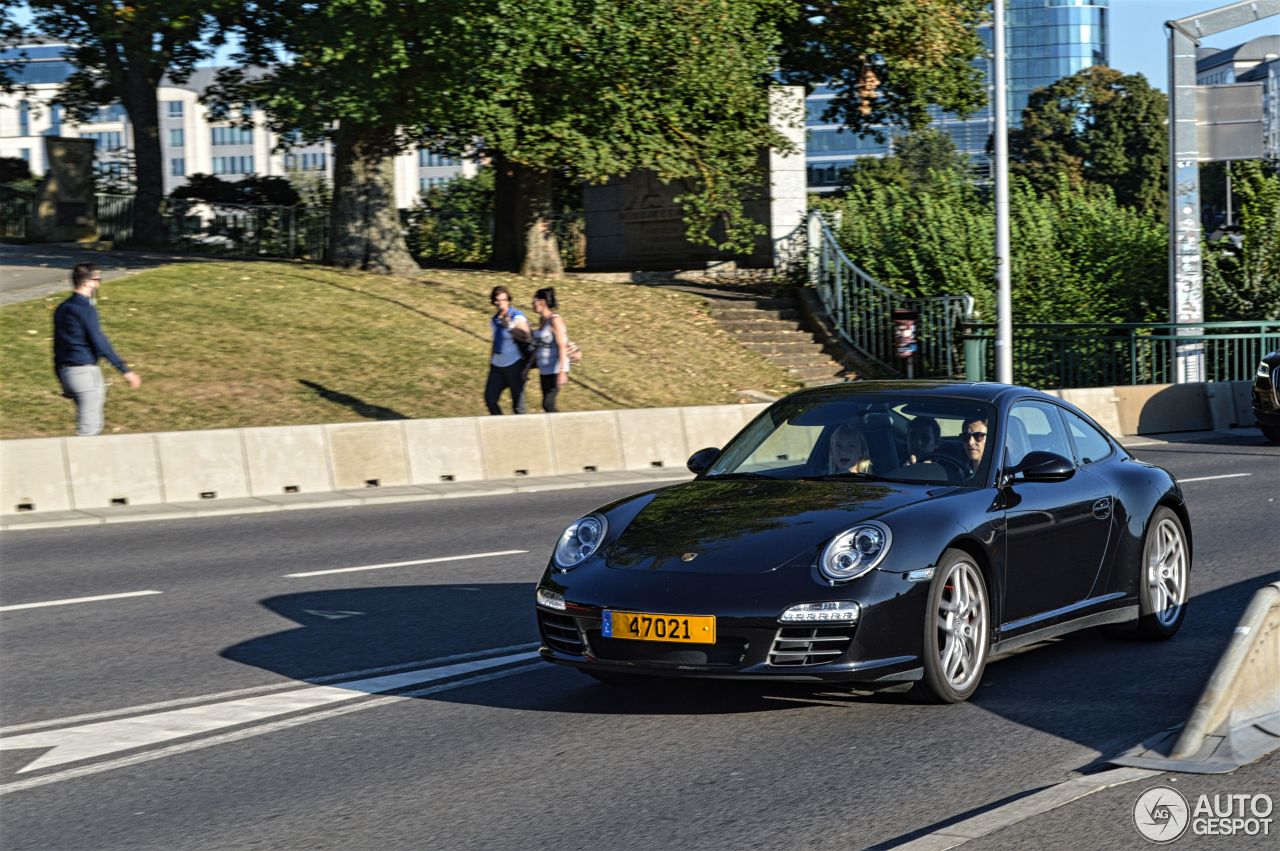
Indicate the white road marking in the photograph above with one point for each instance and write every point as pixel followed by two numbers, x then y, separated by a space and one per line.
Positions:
pixel 87 741
pixel 407 563
pixel 334 615
pixel 987 823
pixel 242 692
pixel 238 735
pixel 74 600
pixel 1147 443
pixel 1211 478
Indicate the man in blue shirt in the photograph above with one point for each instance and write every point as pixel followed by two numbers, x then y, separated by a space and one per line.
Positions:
pixel 78 343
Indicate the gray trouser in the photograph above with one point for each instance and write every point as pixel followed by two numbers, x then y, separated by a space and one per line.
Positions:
pixel 85 385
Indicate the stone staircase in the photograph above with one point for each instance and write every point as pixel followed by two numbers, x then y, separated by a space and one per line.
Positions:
pixel 775 328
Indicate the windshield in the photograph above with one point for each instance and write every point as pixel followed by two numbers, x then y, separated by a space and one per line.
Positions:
pixel 904 437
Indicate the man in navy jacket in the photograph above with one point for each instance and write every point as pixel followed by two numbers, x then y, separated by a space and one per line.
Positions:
pixel 78 343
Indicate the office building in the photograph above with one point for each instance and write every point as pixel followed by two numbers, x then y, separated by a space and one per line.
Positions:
pixel 191 142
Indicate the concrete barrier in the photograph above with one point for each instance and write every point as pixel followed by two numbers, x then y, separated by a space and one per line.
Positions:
pixel 287 459
pixel 59 474
pixel 1152 408
pixel 117 469
pixel 33 476
pixel 202 465
pixel 1237 719
pixel 365 455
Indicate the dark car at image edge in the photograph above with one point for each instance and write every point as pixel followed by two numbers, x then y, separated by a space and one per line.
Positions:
pixel 1266 396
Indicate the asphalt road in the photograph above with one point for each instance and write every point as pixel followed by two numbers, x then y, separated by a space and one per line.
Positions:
pixel 35 271
pixel 504 751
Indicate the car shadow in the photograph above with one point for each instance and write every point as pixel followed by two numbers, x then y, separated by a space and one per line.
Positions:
pixel 366 629
pixel 1097 690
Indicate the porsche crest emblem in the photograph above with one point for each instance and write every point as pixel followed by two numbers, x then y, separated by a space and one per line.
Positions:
pixel 688 556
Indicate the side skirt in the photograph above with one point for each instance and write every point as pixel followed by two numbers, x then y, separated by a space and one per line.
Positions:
pixel 1125 614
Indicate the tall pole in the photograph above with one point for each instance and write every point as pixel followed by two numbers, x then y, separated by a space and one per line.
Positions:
pixel 1004 298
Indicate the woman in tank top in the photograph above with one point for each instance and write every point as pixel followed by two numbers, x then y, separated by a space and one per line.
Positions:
pixel 551 339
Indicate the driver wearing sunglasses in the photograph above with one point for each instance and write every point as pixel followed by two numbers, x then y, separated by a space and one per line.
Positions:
pixel 973 439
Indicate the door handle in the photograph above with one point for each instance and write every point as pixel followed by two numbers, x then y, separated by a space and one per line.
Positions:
pixel 1102 508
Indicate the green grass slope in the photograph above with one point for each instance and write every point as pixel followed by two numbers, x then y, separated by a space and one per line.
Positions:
pixel 228 344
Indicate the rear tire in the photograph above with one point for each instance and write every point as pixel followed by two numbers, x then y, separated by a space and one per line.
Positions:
pixel 957 631
pixel 1164 577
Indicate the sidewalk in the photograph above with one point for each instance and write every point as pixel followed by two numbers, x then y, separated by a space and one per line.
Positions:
pixel 335 499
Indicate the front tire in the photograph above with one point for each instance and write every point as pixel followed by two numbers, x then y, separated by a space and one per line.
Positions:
pixel 1271 433
pixel 957 631
pixel 1164 580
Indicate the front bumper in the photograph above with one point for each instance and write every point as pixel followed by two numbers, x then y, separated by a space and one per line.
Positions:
pixel 883 646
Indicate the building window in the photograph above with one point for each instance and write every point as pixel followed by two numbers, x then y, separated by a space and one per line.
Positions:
pixel 55 119
pixel 221 136
pixel 425 183
pixel 178 167
pixel 176 138
pixel 24 118
pixel 108 114
pixel 25 153
pixel 108 140
pixel 174 108
pixel 312 162
pixel 233 165
pixel 432 159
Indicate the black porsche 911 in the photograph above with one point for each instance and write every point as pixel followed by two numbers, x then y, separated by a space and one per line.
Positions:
pixel 877 533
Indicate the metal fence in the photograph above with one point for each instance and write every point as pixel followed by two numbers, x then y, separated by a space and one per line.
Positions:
pixel 15 212
pixel 1082 354
pixel 862 309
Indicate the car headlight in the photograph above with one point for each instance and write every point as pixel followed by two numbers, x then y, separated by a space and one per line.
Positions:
pixel 1264 371
pixel 580 541
pixel 855 551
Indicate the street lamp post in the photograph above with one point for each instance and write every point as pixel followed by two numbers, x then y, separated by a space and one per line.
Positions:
pixel 1004 299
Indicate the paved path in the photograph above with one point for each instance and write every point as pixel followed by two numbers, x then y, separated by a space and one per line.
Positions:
pixel 35 271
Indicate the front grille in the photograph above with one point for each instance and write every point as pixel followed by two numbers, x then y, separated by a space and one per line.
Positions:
pixel 809 645
pixel 561 633
pixel 727 652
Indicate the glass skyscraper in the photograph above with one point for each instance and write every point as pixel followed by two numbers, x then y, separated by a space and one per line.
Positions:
pixel 1046 40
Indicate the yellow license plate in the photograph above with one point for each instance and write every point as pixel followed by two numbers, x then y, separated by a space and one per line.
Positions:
pixel 644 626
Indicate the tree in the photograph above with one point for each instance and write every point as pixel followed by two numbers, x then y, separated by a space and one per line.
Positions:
pixel 122 51
pixel 1242 279
pixel 254 190
pixel 366 76
pixel 888 62
pixel 1097 126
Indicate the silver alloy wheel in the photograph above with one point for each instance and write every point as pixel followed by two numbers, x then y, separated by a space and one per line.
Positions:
pixel 1167 572
pixel 962 626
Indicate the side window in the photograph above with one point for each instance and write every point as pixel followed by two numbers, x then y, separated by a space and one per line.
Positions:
pixel 1035 427
pixel 1091 445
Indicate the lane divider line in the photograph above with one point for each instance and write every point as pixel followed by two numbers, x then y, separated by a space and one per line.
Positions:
pixel 272 687
pixel 406 563
pixel 1211 478
pixel 74 600
pixel 239 735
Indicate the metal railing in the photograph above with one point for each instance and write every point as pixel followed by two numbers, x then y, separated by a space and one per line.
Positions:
pixel 15 212
pixel 861 310
pixel 1086 354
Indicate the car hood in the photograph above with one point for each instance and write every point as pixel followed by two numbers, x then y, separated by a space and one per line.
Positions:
pixel 748 526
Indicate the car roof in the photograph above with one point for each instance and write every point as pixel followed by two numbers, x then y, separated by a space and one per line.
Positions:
pixel 985 391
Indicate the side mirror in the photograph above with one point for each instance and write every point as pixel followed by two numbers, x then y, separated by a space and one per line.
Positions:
pixel 1042 467
pixel 701 461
